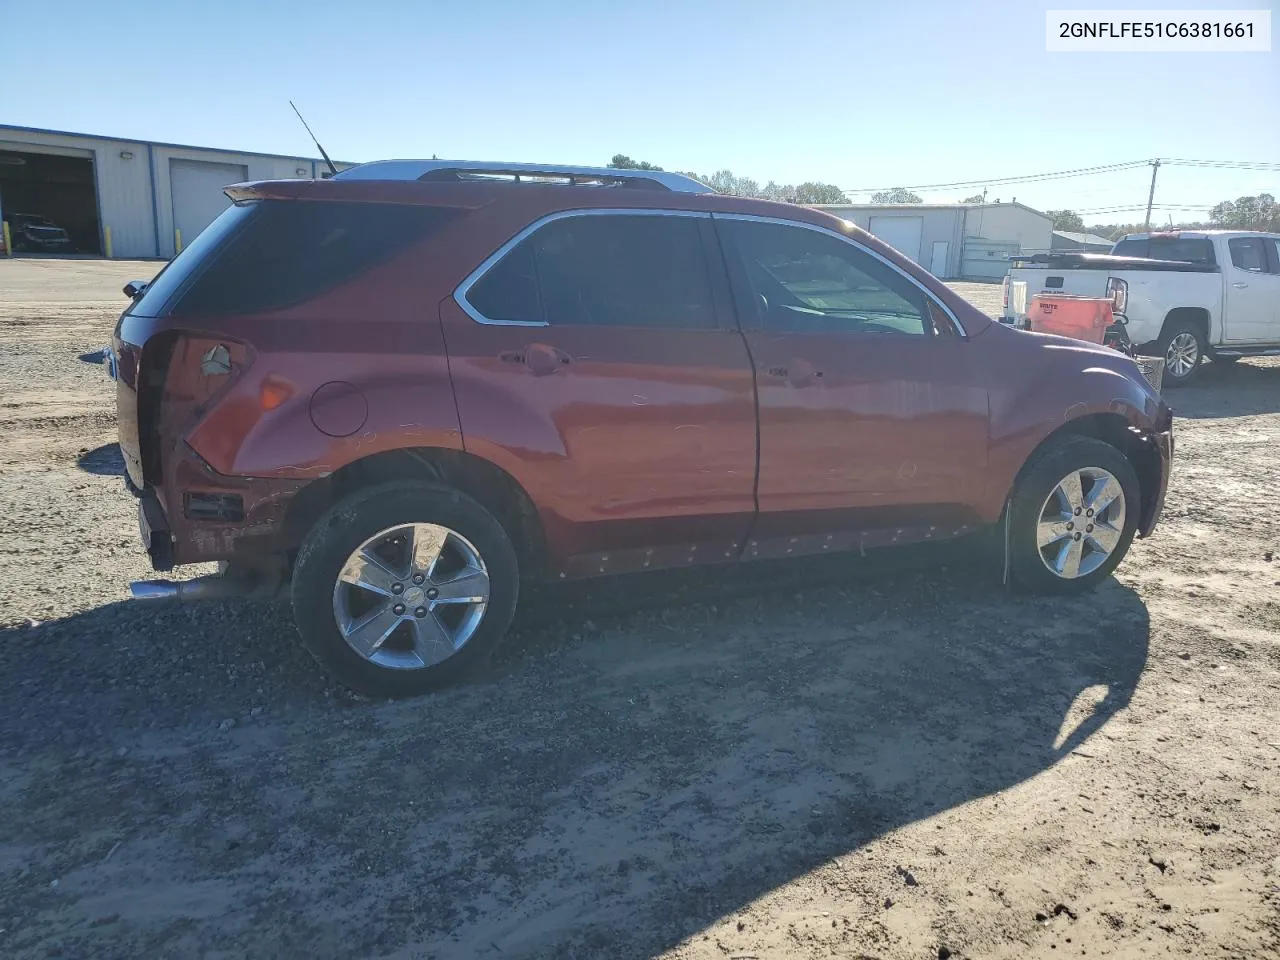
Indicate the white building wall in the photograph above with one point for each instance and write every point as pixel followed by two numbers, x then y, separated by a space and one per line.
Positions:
pixel 122 184
pixel 939 224
pixel 133 185
pixel 1010 223
pixel 260 168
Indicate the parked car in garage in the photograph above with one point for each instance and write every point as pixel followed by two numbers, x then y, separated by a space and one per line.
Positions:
pixel 406 390
pixel 34 233
pixel 1184 295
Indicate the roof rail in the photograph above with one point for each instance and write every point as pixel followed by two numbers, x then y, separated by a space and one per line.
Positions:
pixel 534 172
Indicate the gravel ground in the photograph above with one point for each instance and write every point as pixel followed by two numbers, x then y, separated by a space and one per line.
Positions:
pixel 881 759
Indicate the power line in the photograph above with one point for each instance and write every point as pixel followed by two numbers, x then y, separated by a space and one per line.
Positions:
pixel 998 181
pixel 1256 165
pixel 1262 165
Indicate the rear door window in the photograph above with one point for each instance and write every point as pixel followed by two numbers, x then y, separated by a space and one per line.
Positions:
pixel 1248 253
pixel 604 270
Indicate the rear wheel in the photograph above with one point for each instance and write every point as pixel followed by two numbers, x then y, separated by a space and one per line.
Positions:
pixel 1073 516
pixel 402 588
pixel 1183 346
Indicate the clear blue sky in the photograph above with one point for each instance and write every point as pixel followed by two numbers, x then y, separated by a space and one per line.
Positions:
pixel 854 93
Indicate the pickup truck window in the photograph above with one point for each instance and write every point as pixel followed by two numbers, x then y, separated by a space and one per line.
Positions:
pixel 1249 253
pixel 1167 248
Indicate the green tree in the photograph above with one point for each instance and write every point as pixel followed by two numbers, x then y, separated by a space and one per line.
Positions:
pixel 1247 213
pixel 621 161
pixel 976 198
pixel 727 182
pixel 896 195
pixel 811 191
pixel 1065 220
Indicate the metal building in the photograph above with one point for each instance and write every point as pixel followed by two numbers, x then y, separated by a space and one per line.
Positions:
pixel 127 198
pixel 1066 240
pixel 954 241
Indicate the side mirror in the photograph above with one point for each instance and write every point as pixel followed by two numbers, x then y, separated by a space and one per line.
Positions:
pixel 135 288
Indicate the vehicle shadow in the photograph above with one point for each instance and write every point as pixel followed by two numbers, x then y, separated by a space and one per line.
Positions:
pixel 104 461
pixel 1246 388
pixel 646 756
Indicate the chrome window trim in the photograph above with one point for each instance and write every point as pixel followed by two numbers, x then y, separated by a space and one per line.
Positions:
pixel 460 293
pixel 753 218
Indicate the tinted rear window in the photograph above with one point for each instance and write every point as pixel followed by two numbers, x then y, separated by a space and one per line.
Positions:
pixel 1188 249
pixel 274 254
pixel 169 281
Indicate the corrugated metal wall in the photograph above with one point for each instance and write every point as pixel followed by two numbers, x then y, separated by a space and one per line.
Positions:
pixel 1008 223
pixel 939 224
pixel 134 189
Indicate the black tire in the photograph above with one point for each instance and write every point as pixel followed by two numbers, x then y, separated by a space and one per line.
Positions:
pixel 1038 481
pixel 1173 330
pixel 364 514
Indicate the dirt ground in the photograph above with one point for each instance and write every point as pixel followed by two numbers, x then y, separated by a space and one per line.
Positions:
pixel 885 759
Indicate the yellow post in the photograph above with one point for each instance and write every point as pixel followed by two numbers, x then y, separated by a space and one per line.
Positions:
pixel 177 242
pixel 106 241
pixel 8 243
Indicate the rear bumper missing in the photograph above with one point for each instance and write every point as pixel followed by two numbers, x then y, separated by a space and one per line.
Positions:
pixel 182 522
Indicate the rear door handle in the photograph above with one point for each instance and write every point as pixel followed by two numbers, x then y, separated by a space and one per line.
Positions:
pixel 779 372
pixel 1240 286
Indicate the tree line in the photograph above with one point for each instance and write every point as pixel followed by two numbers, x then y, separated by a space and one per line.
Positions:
pixel 726 181
pixel 1260 212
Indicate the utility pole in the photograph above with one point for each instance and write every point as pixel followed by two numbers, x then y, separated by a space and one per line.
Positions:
pixel 1155 165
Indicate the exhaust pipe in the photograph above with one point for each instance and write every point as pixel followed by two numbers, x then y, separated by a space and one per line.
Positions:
pixel 208 587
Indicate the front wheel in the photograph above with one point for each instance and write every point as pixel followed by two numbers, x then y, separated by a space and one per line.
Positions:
pixel 1073 516
pixel 401 588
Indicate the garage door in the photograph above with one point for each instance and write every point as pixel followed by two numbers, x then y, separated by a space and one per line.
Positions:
pixel 901 233
pixel 197 193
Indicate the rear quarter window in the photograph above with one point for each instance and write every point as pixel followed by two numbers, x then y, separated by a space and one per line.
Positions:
pixel 272 254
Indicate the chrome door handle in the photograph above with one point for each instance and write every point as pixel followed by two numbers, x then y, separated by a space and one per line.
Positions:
pixel 1240 286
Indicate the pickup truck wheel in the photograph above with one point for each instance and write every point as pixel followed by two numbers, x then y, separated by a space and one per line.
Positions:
pixel 1182 346
pixel 402 588
pixel 1073 516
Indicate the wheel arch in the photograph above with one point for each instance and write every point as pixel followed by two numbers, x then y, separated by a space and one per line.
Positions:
pixel 485 482
pixel 1117 431
pixel 1199 316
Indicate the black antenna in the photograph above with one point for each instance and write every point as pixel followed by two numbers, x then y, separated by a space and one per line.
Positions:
pixel 333 171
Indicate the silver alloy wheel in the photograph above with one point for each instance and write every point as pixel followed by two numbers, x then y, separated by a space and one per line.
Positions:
pixel 1081 522
pixel 1182 354
pixel 411 596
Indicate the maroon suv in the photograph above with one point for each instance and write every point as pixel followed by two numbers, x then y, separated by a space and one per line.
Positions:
pixel 405 390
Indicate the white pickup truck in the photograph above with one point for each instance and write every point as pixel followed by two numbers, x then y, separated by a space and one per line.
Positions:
pixel 1182 295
